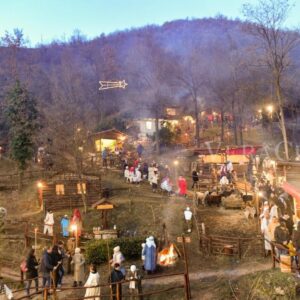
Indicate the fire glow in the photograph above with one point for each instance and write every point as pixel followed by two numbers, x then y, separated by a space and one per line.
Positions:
pixel 168 256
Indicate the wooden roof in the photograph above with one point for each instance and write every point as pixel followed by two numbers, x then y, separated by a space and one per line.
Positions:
pixel 110 133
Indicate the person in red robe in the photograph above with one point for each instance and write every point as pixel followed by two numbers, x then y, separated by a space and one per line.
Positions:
pixel 182 186
pixel 77 220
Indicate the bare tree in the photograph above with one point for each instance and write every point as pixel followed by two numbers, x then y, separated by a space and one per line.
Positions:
pixel 275 43
pixel 191 79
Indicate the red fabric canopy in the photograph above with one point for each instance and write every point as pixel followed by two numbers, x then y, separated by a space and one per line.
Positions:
pixel 242 151
pixel 292 190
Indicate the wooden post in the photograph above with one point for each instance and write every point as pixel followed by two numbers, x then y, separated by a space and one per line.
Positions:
pixel 239 249
pixel 109 270
pixel 45 292
pixel 186 289
pixel 54 285
pixel 187 280
pixel 273 256
pixel 118 291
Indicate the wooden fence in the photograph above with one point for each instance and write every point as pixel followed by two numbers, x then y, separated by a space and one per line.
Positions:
pixel 231 246
pixel 71 293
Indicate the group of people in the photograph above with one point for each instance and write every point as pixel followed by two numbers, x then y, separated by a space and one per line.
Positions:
pixel 67 225
pixel 56 258
pixel 277 223
pixel 156 175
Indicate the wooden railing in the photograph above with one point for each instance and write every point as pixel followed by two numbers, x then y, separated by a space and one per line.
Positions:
pixel 231 246
pixel 71 293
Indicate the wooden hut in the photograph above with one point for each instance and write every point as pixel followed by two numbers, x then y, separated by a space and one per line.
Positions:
pixel 109 139
pixel 64 191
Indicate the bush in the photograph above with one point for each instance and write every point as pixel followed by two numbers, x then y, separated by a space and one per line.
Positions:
pixel 96 251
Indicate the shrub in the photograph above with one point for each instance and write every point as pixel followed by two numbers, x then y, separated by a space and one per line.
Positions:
pixel 96 251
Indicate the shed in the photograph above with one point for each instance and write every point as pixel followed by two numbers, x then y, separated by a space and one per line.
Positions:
pixel 109 139
pixel 63 191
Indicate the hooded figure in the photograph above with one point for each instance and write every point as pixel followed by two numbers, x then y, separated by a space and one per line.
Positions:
pixel 132 275
pixel 182 186
pixel 77 220
pixel 65 223
pixel 150 255
pixel 93 291
pixel 78 261
pixel 48 223
pixel 118 258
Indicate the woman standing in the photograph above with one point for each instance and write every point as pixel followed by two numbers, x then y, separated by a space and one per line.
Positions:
pixel 78 261
pixel 92 284
pixel 77 220
pixel 32 271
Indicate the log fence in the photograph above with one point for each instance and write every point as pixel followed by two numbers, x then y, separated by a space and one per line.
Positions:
pixel 231 246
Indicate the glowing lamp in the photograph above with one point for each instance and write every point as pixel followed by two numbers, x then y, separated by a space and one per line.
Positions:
pixel 40 185
pixel 270 108
pixel 176 162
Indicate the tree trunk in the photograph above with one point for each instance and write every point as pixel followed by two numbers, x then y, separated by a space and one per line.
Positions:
pixel 281 116
pixel 157 146
pixel 241 134
pixel 197 129
pixel 222 126
pixel 234 123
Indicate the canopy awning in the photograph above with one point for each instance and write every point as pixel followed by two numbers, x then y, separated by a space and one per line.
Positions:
pixel 292 190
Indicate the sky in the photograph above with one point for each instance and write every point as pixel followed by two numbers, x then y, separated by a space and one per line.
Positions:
pixel 45 20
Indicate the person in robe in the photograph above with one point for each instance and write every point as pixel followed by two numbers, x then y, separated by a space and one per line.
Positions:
pixel 274 212
pixel 132 276
pixel 116 276
pixel 131 175
pixel 182 186
pixel 265 231
pixel 118 258
pixel 154 181
pixel 78 261
pixel 65 223
pixel 274 222
pixel 138 176
pixel 93 290
pixel 77 220
pixel 166 185
pixel 126 174
pixel 150 255
pixel 48 223
pixel 224 181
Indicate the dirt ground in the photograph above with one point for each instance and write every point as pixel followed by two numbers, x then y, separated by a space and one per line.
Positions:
pixel 139 211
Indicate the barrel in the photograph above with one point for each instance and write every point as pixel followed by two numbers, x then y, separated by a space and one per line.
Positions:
pixel 285 263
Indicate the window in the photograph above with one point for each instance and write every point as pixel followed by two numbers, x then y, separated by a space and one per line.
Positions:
pixel 171 111
pixel 98 145
pixel 60 189
pixel 83 188
pixel 148 125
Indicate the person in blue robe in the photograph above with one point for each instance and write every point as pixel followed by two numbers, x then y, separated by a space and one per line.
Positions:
pixel 65 223
pixel 149 253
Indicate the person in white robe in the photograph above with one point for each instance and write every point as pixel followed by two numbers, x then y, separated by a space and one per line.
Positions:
pixel 126 174
pixel 48 223
pixel 118 258
pixel 265 231
pixel 92 284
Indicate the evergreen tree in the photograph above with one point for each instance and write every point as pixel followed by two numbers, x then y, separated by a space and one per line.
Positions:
pixel 22 117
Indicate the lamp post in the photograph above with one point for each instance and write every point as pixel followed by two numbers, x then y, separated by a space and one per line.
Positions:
pixel 75 230
pixel 35 238
pixel 40 191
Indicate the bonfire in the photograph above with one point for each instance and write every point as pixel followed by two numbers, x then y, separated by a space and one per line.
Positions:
pixel 168 256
